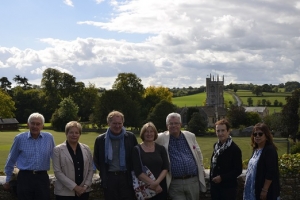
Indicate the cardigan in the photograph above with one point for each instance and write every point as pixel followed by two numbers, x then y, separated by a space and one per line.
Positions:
pixel 267 168
pixel 229 166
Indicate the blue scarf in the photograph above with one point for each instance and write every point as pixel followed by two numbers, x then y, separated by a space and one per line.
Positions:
pixel 108 148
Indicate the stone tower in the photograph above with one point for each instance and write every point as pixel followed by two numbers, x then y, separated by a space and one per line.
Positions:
pixel 214 92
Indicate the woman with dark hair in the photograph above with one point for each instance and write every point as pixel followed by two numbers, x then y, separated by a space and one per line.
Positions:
pixel 262 177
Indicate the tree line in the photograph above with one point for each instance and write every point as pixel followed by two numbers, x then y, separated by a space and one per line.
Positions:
pixel 60 98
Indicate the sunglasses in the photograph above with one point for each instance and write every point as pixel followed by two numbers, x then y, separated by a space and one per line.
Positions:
pixel 258 133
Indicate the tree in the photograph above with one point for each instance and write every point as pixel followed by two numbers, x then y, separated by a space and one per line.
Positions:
pixel 27 102
pixel 258 102
pixel 66 112
pixel 85 98
pixel 159 114
pixel 197 124
pixel 131 84
pixel 276 103
pixel 7 105
pixel 291 86
pixel 163 93
pixel 290 114
pixel 5 84
pixel 252 118
pixel 116 100
pixel 276 123
pixel 236 115
pixel 250 101
pixel 152 96
pixel 263 102
pixel 257 90
pixel 22 81
pixel 50 83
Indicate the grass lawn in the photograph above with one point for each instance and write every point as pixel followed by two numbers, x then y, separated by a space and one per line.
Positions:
pixel 197 100
pixel 205 144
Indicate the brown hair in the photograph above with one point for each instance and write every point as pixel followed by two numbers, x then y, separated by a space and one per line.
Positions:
pixel 114 113
pixel 72 124
pixel 144 129
pixel 223 122
pixel 265 129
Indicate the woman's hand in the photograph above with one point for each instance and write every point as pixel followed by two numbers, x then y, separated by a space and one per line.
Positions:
pixel 263 195
pixel 79 190
pixel 158 189
pixel 217 179
pixel 153 185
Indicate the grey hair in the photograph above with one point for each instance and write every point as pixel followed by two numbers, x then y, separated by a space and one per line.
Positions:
pixel 173 115
pixel 36 116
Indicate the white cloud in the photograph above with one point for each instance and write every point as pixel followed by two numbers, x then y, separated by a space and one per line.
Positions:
pixel 183 42
pixel 69 3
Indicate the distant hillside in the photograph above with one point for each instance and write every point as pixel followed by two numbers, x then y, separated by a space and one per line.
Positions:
pixel 197 100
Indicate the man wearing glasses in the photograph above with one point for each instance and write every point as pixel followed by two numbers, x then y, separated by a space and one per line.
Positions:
pixel 186 176
pixel 31 151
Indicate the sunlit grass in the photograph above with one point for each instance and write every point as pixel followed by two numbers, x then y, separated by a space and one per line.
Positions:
pixel 205 143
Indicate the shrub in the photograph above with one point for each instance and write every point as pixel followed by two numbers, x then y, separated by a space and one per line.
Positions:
pixel 289 164
pixel 295 148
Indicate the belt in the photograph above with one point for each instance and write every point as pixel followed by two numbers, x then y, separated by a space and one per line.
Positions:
pixel 33 172
pixel 184 177
pixel 117 172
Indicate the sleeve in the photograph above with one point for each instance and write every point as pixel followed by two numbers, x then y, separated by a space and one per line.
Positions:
pixel 59 174
pixel 52 146
pixel 12 159
pixel 198 150
pixel 90 174
pixel 137 168
pixel 236 166
pixel 96 154
pixel 164 157
pixel 271 162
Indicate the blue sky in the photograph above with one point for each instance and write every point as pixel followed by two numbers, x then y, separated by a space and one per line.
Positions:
pixel 173 43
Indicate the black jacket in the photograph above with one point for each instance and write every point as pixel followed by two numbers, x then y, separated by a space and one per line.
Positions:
pixel 99 156
pixel 267 168
pixel 229 166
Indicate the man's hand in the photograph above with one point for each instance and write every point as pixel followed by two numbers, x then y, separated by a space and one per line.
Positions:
pixel 6 186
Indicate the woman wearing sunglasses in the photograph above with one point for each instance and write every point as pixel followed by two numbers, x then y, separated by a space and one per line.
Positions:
pixel 262 177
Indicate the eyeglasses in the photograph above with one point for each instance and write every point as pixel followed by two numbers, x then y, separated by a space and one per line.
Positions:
pixel 258 133
pixel 174 123
pixel 35 123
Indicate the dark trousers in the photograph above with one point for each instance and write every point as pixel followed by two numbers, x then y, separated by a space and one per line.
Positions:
pixel 118 187
pixel 32 186
pixel 218 192
pixel 84 196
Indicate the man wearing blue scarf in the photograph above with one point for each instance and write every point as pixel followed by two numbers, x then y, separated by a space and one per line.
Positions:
pixel 112 157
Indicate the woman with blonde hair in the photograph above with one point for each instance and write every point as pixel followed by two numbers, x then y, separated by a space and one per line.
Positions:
pixel 154 156
pixel 73 166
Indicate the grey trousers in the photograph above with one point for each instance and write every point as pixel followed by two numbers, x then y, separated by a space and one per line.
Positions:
pixel 185 189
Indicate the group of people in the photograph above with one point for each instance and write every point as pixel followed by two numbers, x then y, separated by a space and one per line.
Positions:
pixel 174 157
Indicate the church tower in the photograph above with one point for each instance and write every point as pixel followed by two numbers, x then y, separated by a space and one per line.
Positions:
pixel 214 92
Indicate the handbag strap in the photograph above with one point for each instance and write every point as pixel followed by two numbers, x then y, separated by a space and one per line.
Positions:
pixel 138 148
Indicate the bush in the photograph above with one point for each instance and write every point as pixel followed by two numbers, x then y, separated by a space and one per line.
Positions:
pixel 295 148
pixel 289 164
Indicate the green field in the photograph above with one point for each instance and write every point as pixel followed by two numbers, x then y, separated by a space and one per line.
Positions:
pixel 197 100
pixel 205 144
pixel 245 94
